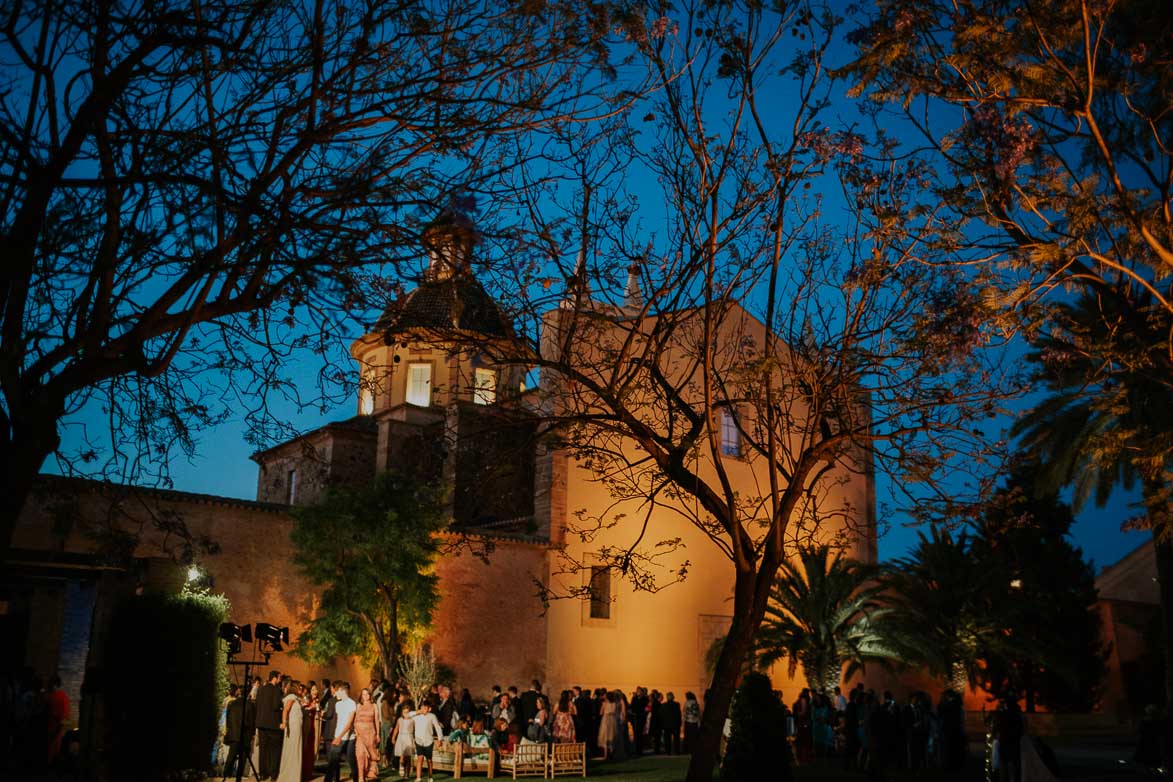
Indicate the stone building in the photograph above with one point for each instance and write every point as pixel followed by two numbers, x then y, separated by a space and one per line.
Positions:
pixel 432 399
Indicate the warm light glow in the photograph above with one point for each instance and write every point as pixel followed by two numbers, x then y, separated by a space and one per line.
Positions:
pixel 1016 583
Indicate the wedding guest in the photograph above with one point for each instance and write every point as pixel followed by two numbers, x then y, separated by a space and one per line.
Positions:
pixel 290 766
pixel 692 721
pixel 269 727
pixel 403 737
pixel 564 719
pixel 366 736
pixel 427 730
pixel 344 709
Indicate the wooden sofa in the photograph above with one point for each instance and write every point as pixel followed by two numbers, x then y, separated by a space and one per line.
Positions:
pixel 461 759
pixel 526 760
pixel 567 760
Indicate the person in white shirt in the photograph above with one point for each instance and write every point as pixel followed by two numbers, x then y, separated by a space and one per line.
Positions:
pixel 840 702
pixel 427 730
pixel 344 708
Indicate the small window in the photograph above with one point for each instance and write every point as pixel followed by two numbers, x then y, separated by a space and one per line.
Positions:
pixel 291 484
pixel 419 384
pixel 485 392
pixel 600 593
pixel 366 391
pixel 730 435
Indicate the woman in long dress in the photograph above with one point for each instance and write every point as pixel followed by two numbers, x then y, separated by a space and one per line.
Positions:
pixel 309 731
pixel 564 720
pixel 609 727
pixel 291 759
pixel 366 736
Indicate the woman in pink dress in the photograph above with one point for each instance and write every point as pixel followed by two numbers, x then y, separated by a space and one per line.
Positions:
pixel 564 720
pixel 366 736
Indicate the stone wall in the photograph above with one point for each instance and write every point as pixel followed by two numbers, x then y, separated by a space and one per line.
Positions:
pixel 489 625
pixel 253 570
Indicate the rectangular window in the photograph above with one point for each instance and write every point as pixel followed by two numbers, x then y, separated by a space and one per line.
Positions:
pixel 485 392
pixel 291 484
pixel 366 391
pixel 419 384
pixel 730 435
pixel 600 593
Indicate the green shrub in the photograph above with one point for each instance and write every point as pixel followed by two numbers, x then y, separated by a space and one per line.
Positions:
pixel 757 747
pixel 167 682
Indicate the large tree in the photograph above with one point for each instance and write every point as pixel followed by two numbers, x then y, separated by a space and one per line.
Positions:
pixel 190 191
pixel 752 334
pixel 1050 605
pixel 1100 435
pixel 942 600
pixel 1051 129
pixel 369 550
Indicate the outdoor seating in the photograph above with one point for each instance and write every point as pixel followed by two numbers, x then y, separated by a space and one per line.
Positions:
pixel 568 760
pixel 527 760
pixel 460 759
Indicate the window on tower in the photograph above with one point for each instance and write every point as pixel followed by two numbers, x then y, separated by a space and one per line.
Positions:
pixel 366 391
pixel 485 392
pixel 419 384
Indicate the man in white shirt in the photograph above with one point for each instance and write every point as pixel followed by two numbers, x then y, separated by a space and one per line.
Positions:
pixel 344 708
pixel 840 702
pixel 427 730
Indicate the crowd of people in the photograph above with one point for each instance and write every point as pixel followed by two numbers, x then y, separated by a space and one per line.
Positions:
pixel 281 728
pixel 34 713
pixel 875 733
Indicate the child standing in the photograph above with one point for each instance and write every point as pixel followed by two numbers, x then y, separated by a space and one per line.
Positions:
pixel 427 729
pixel 403 737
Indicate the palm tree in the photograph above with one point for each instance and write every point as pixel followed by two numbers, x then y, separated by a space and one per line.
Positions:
pixel 941 600
pixel 1108 422
pixel 825 611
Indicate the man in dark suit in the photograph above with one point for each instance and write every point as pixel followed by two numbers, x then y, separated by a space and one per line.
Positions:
pixel 446 707
pixel 528 708
pixel 239 724
pixel 582 719
pixel 670 723
pixel 326 709
pixel 269 727
pixel 637 715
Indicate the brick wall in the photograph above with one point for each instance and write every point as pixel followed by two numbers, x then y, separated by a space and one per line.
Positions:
pixel 489 624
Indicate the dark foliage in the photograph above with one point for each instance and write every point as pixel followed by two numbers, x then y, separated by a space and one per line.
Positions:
pixel 166 645
pixel 757 746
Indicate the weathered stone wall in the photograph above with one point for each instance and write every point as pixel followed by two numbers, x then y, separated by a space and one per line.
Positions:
pixel 489 625
pixel 253 570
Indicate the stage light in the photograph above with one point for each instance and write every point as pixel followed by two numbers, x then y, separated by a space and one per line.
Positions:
pixel 233 635
pixel 193 574
pixel 272 635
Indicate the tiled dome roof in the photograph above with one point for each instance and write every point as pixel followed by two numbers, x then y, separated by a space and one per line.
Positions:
pixel 456 303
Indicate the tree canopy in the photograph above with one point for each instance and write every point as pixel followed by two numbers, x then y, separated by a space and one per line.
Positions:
pixel 826 611
pixel 1050 607
pixel 192 194
pixel 370 551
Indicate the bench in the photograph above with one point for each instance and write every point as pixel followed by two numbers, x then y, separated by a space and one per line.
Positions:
pixel 568 760
pixel 461 759
pixel 527 760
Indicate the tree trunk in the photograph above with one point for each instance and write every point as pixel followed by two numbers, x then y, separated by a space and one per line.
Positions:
pixel 1161 522
pixel 747 615
pixel 1164 552
pixel 23 450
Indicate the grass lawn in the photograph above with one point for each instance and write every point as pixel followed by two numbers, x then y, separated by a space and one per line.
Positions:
pixel 1083 766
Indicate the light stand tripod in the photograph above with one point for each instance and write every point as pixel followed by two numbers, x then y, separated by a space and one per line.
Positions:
pixel 244 751
pixel 269 639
